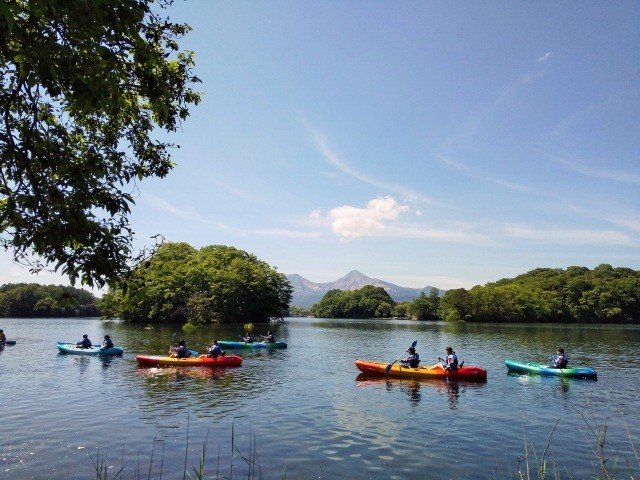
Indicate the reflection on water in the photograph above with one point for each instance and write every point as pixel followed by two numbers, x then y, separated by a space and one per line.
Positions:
pixel 412 387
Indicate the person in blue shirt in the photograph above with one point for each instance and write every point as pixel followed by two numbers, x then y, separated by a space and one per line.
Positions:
pixel 561 359
pixel 180 351
pixel 214 351
pixel 413 359
pixel 106 343
pixel 85 342
pixel 248 338
pixel 270 338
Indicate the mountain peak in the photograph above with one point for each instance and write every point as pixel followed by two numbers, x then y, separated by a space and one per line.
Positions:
pixel 354 273
pixel 306 292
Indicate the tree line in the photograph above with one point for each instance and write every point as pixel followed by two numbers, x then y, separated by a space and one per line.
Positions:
pixel 575 295
pixel 29 300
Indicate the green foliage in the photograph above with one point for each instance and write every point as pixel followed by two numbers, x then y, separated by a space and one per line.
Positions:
pixel 216 284
pixel 425 308
pixel 577 294
pixel 84 85
pixel 29 300
pixel 366 302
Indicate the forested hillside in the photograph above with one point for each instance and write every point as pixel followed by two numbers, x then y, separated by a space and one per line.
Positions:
pixel 577 294
pixel 34 300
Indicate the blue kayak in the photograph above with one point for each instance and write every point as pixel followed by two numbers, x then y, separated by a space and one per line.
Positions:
pixel 232 344
pixel 538 369
pixel 72 348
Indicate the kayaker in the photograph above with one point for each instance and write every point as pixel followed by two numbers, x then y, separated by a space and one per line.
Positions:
pixel 181 351
pixel 413 359
pixel 106 343
pixel 214 350
pixel 561 359
pixel 85 342
pixel 248 338
pixel 269 338
pixel 3 337
pixel 450 362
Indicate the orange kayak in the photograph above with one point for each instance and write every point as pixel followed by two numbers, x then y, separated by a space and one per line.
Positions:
pixel 162 361
pixel 469 373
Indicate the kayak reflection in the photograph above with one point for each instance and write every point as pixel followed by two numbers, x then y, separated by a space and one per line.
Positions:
pixel 412 387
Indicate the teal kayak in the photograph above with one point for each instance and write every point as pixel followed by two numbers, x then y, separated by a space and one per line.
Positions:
pixel 538 369
pixel 232 344
pixel 71 348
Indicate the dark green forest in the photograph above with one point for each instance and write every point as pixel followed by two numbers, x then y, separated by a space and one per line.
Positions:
pixel 553 295
pixel 215 284
pixel 575 295
pixel 27 300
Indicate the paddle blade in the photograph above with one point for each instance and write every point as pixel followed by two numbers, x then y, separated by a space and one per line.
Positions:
pixel 388 368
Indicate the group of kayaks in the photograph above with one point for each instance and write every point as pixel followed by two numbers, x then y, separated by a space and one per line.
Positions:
pixel 369 367
pixel 471 373
pixel 468 372
pixel 195 360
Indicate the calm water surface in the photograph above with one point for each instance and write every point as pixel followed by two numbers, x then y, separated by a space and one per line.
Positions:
pixel 305 412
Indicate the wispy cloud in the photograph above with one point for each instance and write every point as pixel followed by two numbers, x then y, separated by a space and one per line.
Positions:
pixel 615 175
pixel 271 232
pixel 166 207
pixel 568 236
pixel 544 57
pixel 322 144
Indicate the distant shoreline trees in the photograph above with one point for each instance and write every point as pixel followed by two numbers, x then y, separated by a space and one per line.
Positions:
pixel 575 295
pixel 544 295
pixel 32 300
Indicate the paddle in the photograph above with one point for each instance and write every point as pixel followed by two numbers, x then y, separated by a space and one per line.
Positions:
pixel 415 342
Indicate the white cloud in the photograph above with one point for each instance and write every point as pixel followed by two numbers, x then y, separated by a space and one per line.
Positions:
pixel 354 222
pixel 544 57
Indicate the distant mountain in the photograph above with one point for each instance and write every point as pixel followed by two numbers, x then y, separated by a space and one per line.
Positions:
pixel 306 293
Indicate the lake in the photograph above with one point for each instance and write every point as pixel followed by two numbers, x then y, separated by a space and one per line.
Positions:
pixel 305 412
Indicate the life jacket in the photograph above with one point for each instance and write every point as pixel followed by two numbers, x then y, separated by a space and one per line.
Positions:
pixel 182 352
pixel 413 363
pixel 453 364
pixel 561 361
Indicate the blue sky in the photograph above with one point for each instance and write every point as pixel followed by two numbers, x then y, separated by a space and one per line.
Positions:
pixel 447 144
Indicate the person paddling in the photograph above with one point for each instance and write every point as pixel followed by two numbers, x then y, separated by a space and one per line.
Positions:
pixel 413 359
pixel 561 359
pixel 85 342
pixel 269 338
pixel 248 338
pixel 106 343
pixel 450 362
pixel 181 351
pixel 214 351
pixel 3 337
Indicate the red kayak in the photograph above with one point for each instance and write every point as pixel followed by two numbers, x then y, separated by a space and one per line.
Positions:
pixel 164 361
pixel 469 373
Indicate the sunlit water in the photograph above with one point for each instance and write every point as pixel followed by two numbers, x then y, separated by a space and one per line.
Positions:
pixel 305 412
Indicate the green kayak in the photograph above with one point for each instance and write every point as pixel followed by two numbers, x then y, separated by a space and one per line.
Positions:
pixel 538 369
pixel 231 344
